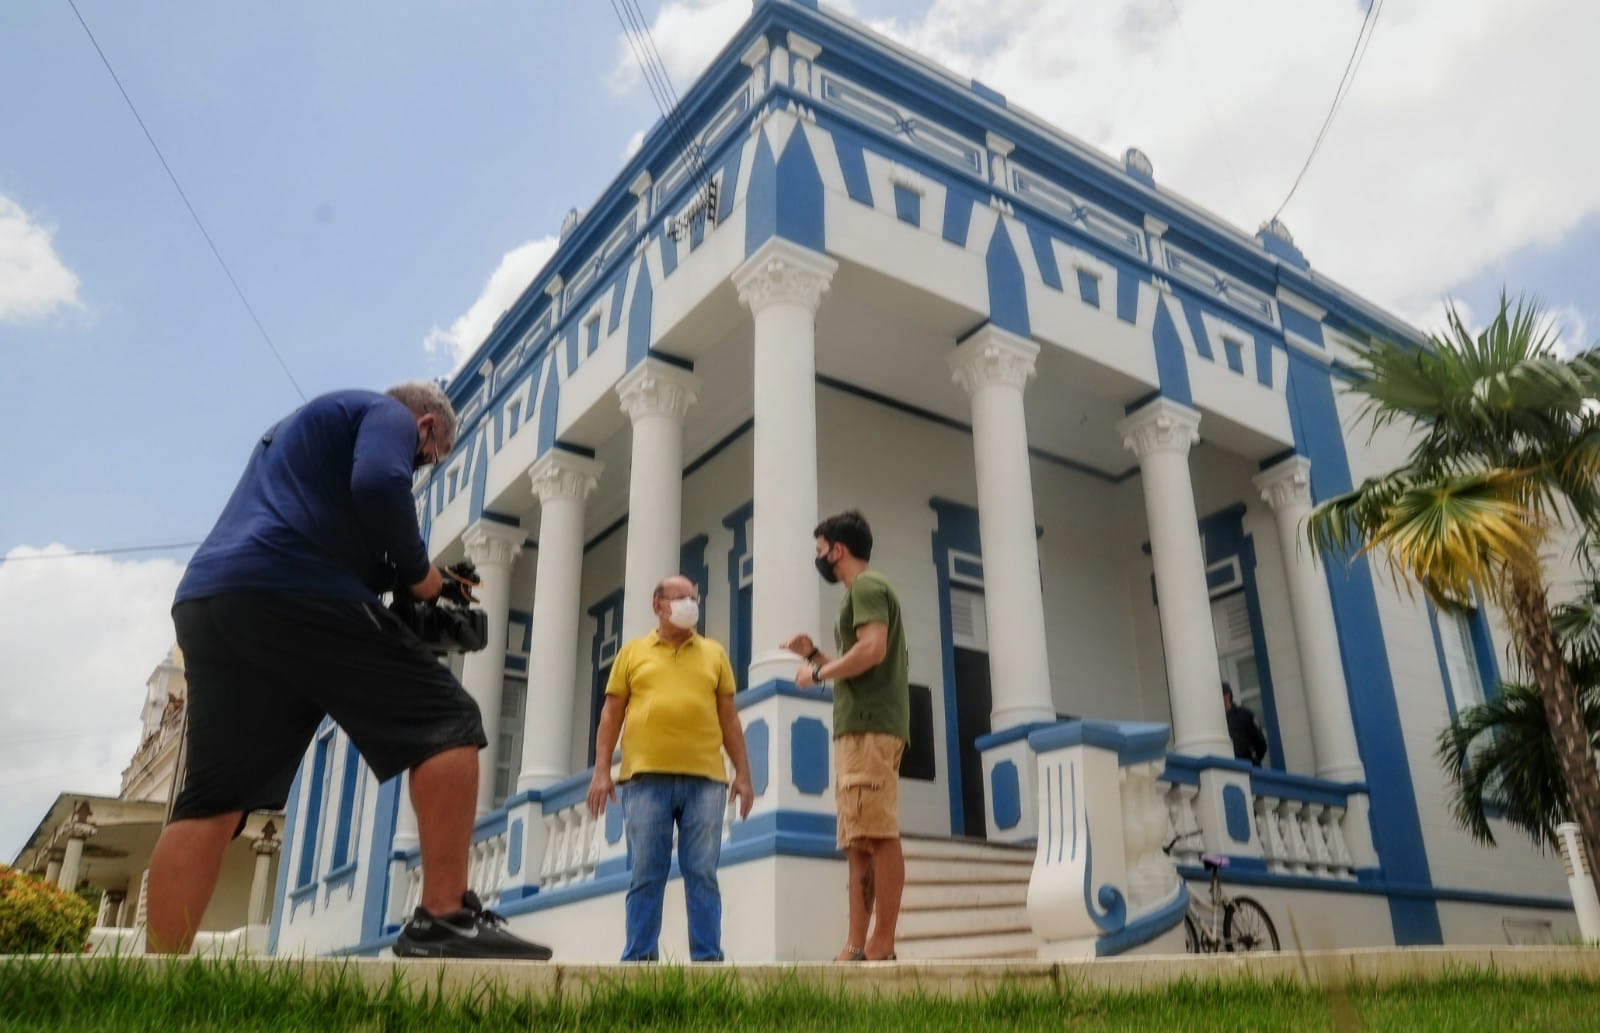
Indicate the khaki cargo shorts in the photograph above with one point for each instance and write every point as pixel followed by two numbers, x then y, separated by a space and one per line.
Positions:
pixel 866 785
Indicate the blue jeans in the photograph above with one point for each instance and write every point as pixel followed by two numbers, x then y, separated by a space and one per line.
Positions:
pixel 651 805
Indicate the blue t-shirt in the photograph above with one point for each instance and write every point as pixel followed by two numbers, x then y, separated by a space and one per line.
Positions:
pixel 323 508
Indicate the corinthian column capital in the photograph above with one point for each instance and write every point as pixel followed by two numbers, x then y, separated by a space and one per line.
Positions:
pixel 993 356
pixel 559 474
pixel 1286 484
pixel 1161 426
pixel 491 544
pixel 781 270
pixel 656 388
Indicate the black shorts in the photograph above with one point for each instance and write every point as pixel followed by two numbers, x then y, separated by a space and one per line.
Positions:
pixel 264 669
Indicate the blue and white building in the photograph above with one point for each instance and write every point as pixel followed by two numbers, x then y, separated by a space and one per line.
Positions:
pixel 1085 417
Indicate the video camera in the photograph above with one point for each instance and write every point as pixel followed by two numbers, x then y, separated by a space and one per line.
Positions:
pixel 448 624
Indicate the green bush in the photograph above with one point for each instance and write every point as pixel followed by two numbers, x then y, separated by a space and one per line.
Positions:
pixel 38 918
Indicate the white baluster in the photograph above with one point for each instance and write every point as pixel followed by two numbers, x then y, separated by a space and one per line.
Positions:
pixel 1338 849
pixel 1315 844
pixel 1271 835
pixel 1294 839
pixel 552 850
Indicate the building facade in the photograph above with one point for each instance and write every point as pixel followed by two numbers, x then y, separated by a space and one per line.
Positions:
pixel 1085 418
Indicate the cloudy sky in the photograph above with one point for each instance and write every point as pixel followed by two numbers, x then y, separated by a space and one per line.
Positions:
pixel 383 180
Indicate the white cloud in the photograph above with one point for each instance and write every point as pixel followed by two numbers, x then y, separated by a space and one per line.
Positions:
pixel 1460 142
pixel 517 269
pixel 1572 331
pixel 33 279
pixel 80 637
pixel 635 142
pixel 687 35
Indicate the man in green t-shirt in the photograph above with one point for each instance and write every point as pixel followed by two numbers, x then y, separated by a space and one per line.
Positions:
pixel 871 727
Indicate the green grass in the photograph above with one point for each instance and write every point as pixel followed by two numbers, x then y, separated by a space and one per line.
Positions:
pixel 234 998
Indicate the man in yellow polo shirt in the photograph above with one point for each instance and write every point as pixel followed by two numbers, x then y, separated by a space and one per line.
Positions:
pixel 675 688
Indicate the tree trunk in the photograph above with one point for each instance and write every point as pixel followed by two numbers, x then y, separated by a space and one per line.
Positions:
pixel 1548 665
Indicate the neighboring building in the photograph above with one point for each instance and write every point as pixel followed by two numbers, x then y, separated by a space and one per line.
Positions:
pixel 1085 418
pixel 105 842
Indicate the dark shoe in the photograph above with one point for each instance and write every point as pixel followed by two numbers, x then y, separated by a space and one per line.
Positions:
pixel 853 954
pixel 471 932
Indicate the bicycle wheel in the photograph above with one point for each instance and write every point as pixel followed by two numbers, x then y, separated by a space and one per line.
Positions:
pixel 1191 935
pixel 1246 927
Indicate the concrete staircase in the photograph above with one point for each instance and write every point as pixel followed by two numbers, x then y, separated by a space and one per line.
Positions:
pixel 965 898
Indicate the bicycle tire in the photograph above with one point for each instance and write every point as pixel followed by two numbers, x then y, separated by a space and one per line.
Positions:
pixel 1191 936
pixel 1247 927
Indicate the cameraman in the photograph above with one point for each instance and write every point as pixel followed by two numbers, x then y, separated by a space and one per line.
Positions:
pixel 279 622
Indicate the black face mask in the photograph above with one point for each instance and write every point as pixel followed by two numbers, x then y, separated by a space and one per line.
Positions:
pixel 825 568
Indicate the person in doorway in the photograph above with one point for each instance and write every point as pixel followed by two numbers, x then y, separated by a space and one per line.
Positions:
pixel 871 727
pixel 1248 741
pixel 675 689
pixel 280 626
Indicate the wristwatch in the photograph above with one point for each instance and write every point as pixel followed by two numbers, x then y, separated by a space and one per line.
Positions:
pixel 816 673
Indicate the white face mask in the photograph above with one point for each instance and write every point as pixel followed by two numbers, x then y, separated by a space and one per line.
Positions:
pixel 684 613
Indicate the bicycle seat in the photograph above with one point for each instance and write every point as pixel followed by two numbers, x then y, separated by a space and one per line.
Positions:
pixel 1213 861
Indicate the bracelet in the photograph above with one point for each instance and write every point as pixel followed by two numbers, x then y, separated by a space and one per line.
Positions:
pixel 816 673
pixel 813 654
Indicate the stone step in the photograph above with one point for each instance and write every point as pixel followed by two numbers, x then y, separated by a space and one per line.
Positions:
pixel 964 849
pixel 941 895
pixel 933 870
pixel 961 922
pixel 1012 944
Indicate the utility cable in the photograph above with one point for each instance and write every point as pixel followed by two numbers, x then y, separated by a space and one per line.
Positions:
pixel 169 547
pixel 192 213
pixel 1358 52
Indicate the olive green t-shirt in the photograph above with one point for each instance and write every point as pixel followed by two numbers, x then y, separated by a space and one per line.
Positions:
pixel 878 700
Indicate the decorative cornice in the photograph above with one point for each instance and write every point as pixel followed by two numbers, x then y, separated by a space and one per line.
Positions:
pixel 1286 484
pixel 782 271
pixel 655 388
pixel 489 544
pixel 992 356
pixel 564 475
pixel 1161 426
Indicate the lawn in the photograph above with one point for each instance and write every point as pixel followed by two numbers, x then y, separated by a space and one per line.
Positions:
pixel 42 994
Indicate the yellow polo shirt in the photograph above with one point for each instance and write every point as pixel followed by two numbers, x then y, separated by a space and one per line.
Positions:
pixel 671 725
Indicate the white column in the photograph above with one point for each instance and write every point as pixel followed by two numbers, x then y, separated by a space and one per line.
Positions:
pixel 1286 487
pixel 783 284
pixel 1160 434
pixel 78 833
pixel 563 481
pixel 493 548
pixel 265 847
pixel 656 396
pixel 405 819
pixel 993 367
pixel 52 872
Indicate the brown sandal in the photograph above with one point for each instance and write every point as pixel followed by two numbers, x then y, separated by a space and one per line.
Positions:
pixel 853 954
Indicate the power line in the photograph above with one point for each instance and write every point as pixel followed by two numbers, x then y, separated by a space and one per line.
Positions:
pixel 1369 25
pixel 192 213
pixel 169 547
pixel 637 32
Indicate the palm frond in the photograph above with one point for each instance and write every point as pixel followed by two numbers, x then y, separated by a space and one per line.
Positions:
pixel 1502 762
pixel 1455 534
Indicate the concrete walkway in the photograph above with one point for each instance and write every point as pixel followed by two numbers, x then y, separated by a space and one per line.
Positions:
pixel 947 978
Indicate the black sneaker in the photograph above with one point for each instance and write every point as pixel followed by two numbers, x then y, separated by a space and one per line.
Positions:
pixel 472 932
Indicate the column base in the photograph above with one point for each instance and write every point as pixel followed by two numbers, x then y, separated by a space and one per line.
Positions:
pixel 1204 748
pixel 774 665
pixel 539 779
pixel 1344 773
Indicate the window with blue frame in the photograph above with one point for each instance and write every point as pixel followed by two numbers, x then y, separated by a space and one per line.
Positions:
pixel 316 794
pixel 607 614
pixel 741 576
pixel 1466 657
pixel 347 826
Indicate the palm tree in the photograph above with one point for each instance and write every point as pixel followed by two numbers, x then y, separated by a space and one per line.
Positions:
pixel 1502 760
pixel 1507 451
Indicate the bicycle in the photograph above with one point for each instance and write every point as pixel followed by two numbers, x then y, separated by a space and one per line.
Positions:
pixel 1233 924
